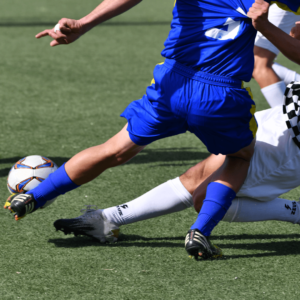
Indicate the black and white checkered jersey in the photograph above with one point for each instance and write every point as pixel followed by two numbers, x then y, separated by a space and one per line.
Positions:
pixel 291 110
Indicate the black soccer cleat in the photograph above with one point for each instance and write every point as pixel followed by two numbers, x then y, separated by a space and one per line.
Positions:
pixel 92 223
pixel 21 205
pixel 197 245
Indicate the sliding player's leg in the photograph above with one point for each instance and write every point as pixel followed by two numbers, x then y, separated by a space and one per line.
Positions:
pixel 253 210
pixel 245 209
pixel 172 196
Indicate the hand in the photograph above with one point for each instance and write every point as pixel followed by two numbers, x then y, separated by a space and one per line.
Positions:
pixel 295 31
pixel 69 31
pixel 259 14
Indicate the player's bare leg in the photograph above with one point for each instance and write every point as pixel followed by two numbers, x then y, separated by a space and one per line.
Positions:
pixel 91 162
pixel 271 85
pixel 263 72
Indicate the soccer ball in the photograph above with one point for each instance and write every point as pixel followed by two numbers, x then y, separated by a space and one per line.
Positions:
pixel 29 172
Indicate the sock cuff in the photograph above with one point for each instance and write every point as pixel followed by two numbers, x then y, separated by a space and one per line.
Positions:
pixel 181 191
pixel 55 184
pixel 62 181
pixel 284 73
pixel 280 85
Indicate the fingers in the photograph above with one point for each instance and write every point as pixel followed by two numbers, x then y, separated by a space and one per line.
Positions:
pixel 66 25
pixel 55 35
pixel 43 33
pixel 58 42
pixel 58 37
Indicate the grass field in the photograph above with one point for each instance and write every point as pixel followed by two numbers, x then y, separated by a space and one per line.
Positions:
pixel 58 101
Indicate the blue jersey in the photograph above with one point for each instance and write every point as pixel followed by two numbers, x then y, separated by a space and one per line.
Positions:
pixel 216 36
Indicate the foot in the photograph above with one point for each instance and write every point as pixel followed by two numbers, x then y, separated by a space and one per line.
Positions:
pixel 197 245
pixel 92 223
pixel 21 205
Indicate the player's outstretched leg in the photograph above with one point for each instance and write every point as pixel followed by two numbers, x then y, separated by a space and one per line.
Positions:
pixel 169 197
pixel 80 169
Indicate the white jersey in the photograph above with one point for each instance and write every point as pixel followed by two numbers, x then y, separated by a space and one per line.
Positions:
pixel 282 19
pixel 275 165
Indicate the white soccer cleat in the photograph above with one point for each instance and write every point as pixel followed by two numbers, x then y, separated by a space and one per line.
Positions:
pixel 92 223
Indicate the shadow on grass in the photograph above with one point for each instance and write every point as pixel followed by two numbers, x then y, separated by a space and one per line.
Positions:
pixel 166 155
pixel 271 248
pixel 124 241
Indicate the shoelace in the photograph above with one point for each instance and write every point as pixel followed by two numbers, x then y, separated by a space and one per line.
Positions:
pixel 89 208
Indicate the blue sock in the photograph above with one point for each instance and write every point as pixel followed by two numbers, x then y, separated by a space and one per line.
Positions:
pixel 215 205
pixel 54 185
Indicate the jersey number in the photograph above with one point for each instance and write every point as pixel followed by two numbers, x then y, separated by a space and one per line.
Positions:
pixel 229 34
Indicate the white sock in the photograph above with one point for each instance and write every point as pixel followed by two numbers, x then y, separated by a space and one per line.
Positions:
pixel 166 198
pixel 285 74
pixel 250 210
pixel 274 93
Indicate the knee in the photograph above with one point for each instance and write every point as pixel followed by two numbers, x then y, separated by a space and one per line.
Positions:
pixel 244 154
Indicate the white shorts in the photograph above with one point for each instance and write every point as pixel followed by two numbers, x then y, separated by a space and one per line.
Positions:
pixel 275 165
pixel 283 19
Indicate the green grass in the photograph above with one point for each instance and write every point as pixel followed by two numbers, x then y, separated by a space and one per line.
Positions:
pixel 58 101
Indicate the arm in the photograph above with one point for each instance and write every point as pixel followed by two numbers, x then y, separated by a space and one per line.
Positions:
pixel 70 30
pixel 289 46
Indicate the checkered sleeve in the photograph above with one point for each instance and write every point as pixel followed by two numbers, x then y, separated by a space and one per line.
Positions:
pixel 291 110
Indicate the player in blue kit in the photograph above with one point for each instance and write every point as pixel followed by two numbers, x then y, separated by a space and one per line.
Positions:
pixel 209 52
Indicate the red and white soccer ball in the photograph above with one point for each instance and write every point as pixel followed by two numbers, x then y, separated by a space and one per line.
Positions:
pixel 29 172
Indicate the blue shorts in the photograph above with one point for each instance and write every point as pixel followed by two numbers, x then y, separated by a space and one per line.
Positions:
pixel 217 109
